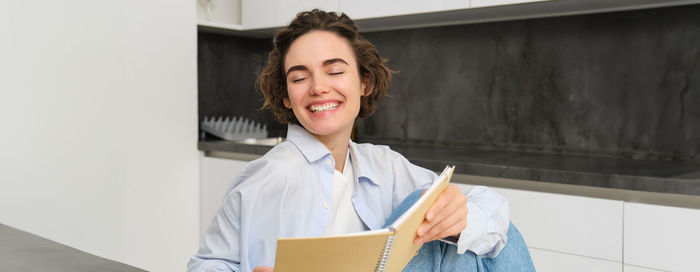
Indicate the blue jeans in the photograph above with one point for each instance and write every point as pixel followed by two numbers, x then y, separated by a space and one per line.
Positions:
pixel 440 256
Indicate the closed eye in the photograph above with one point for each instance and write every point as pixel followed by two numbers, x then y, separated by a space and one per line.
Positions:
pixel 335 73
pixel 298 80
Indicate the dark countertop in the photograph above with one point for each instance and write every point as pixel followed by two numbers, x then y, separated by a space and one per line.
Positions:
pixel 608 172
pixel 23 251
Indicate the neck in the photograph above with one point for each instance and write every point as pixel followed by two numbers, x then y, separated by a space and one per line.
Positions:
pixel 338 145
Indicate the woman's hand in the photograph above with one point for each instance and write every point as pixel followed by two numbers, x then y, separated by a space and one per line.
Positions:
pixel 447 216
pixel 262 269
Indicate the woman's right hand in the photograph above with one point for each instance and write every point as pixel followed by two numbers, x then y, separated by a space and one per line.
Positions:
pixel 262 269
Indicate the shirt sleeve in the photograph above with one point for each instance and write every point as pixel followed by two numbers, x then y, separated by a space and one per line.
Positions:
pixel 488 220
pixel 220 246
pixel 238 239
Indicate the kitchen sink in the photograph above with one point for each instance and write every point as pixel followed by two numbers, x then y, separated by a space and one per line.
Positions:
pixel 262 141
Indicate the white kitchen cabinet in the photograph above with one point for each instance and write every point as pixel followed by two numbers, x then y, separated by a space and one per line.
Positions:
pixel 491 3
pixel 277 13
pixel 215 177
pixel 219 13
pixel 661 237
pixel 258 18
pixel 364 9
pixel 259 14
pixel 632 268
pixel 550 261
pixel 572 224
pixel 569 224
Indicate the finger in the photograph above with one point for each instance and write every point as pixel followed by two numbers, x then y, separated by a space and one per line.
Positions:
pixel 439 215
pixel 448 210
pixel 430 235
pixel 452 231
pixel 262 269
pixel 457 220
pixel 444 199
pixel 422 229
pixel 451 197
pixel 426 226
pixel 458 200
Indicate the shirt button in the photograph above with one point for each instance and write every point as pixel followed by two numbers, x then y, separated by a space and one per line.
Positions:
pixel 325 205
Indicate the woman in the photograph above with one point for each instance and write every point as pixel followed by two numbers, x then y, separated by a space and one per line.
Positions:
pixel 320 77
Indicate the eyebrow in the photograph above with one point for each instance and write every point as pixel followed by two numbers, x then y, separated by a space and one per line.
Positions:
pixel 325 63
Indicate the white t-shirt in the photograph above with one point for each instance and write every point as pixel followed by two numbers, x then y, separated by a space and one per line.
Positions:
pixel 344 218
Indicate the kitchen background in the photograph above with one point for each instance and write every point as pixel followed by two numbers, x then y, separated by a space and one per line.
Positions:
pixel 100 104
pixel 616 84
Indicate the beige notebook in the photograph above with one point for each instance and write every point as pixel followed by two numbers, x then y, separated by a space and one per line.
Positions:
pixel 388 249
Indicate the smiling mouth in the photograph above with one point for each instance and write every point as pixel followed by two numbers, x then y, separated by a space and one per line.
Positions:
pixel 323 107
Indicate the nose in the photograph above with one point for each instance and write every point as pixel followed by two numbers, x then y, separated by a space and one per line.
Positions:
pixel 318 86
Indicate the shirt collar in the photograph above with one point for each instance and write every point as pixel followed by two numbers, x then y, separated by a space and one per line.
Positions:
pixel 361 164
pixel 313 150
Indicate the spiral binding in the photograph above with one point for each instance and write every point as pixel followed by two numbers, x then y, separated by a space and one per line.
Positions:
pixel 381 266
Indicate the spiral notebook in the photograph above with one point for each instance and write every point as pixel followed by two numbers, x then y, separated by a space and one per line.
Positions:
pixel 388 249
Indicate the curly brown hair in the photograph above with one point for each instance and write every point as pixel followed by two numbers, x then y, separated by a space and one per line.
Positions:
pixel 272 80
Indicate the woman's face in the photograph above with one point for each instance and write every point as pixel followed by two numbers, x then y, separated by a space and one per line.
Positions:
pixel 323 83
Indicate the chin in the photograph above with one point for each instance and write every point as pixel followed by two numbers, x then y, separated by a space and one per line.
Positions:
pixel 322 129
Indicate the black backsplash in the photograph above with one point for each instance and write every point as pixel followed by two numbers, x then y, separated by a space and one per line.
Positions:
pixel 227 69
pixel 623 84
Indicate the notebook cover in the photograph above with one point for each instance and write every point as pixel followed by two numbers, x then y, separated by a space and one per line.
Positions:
pixel 331 253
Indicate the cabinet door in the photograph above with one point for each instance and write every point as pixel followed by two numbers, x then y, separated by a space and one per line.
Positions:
pixel 224 13
pixel 215 176
pixel 489 3
pixel 259 14
pixel 661 237
pixel 631 268
pixel 577 225
pixel 364 9
pixel 549 261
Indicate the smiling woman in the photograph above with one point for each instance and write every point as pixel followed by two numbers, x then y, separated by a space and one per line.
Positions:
pixel 320 77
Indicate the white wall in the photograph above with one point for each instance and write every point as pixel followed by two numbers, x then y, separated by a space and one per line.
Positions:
pixel 98 127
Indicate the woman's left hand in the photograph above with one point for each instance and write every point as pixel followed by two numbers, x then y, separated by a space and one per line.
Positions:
pixel 447 216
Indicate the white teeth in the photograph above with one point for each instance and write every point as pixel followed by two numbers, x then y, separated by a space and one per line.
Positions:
pixel 323 107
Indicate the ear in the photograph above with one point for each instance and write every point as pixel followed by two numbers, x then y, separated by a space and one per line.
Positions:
pixel 287 103
pixel 363 85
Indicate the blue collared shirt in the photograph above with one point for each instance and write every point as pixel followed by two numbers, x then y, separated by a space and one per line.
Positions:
pixel 287 193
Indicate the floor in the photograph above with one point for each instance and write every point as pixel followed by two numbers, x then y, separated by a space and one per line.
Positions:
pixel 22 251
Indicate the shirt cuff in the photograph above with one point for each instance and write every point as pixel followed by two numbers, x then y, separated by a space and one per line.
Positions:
pixel 485 234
